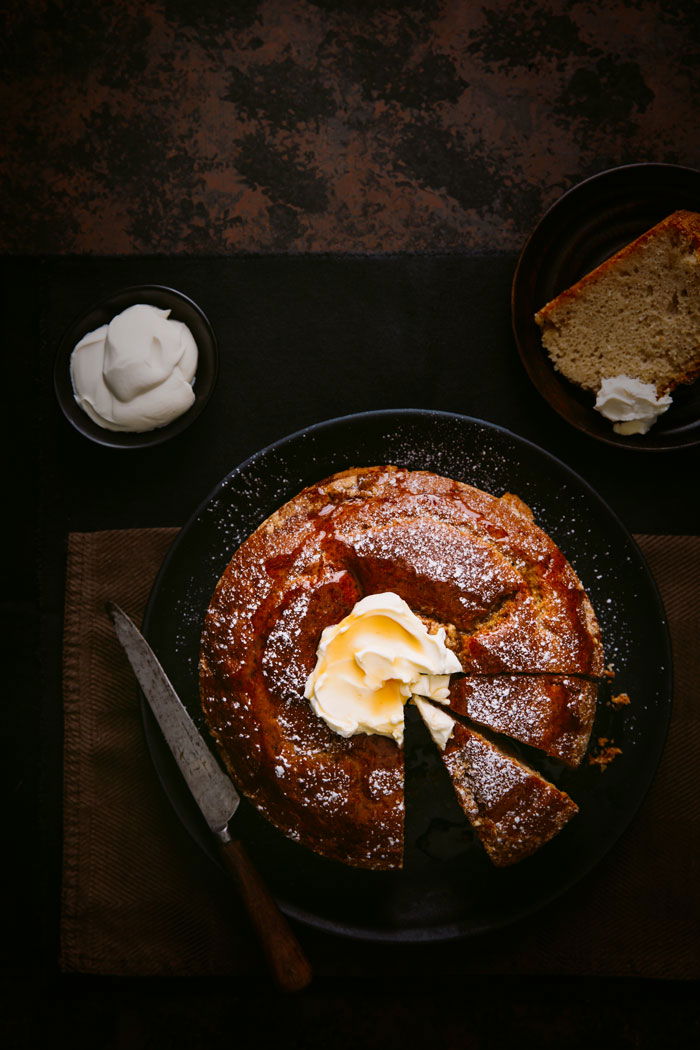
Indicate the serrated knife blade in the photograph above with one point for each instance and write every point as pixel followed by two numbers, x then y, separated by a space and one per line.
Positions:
pixel 218 800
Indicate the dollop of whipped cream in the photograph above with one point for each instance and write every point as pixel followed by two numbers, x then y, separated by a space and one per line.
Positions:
pixel 632 406
pixel 372 662
pixel 135 373
pixel 438 722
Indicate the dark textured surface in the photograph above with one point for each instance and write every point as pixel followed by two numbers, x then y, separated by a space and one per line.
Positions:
pixel 309 338
pixel 359 304
pixel 481 1014
pixel 197 125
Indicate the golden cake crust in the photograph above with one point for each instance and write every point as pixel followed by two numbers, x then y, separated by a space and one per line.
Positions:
pixel 461 558
pixel 685 223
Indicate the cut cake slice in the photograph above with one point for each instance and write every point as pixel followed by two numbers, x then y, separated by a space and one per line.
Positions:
pixel 512 808
pixel 554 713
pixel 637 314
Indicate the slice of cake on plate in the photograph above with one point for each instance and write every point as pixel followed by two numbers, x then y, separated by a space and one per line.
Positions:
pixel 637 313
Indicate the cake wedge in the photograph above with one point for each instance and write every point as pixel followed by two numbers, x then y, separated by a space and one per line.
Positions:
pixel 511 807
pixel 553 713
pixel 637 314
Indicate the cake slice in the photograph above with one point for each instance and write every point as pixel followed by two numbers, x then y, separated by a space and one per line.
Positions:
pixel 513 810
pixel 637 314
pixel 554 713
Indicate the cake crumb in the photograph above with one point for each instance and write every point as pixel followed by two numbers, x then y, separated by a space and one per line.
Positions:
pixel 604 753
pixel 620 700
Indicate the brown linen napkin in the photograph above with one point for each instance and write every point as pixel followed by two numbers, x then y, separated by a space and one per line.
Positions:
pixel 140 899
pixel 136 898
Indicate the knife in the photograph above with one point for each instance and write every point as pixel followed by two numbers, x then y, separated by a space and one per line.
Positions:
pixel 218 800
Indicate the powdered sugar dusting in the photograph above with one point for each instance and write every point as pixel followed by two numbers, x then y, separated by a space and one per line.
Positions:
pixel 512 808
pixel 553 713
pixel 486 458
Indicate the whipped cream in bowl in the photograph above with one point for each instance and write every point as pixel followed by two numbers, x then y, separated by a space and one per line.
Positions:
pixel 137 368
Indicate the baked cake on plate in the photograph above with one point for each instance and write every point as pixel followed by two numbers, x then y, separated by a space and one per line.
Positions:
pixel 472 564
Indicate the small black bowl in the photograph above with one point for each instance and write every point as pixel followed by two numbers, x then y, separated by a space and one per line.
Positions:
pixel 182 309
pixel 583 228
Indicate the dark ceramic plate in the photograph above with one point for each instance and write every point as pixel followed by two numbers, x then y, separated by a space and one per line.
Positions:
pixel 448 888
pixel 586 226
pixel 181 309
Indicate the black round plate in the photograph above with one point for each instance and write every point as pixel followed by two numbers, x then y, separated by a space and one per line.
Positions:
pixel 586 226
pixel 182 309
pixel 447 888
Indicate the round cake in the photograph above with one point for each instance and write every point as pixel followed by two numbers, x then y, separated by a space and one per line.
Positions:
pixel 512 609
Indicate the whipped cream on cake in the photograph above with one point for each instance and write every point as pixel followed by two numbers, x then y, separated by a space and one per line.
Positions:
pixel 372 662
pixel 632 406
pixel 439 723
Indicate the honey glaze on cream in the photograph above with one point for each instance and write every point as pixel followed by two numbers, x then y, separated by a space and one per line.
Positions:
pixel 372 662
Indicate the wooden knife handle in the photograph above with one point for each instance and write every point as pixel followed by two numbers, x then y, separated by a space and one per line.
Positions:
pixel 289 965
